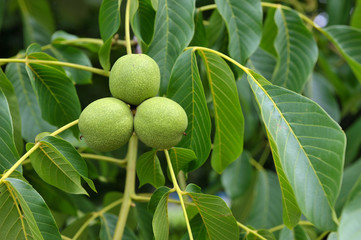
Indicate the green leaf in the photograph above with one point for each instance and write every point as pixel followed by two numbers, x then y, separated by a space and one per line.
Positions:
pixel 199 230
pixel 56 93
pixel 70 54
pixel 264 233
pixel 291 211
pixel 8 152
pixel 244 22
pixel 58 163
pixel 174 28
pixel 310 146
pixel 74 227
pixel 24 214
pixel 156 196
pixel 342 15
pixel 31 121
pixel 62 37
pixel 296 233
pixel 111 197
pixel 149 169
pixel 200 35
pixel 237 177
pixel 356 15
pixel 229 121
pixel 297 51
pixel 346 39
pixel 268 33
pixel 109 22
pixel 185 87
pixel 143 21
pixel 332 236
pixel 160 219
pixel 180 158
pixel 9 92
pixel 350 223
pixel 215 29
pixel 37 20
pixel 216 216
pixel 262 62
pixel 107 228
pixel 144 221
pixel 353 141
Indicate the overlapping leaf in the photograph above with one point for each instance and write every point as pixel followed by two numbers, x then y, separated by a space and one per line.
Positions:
pixel 31 121
pixel 9 92
pixel 58 163
pixel 244 22
pixel 216 216
pixel 297 51
pixel 143 21
pixel 350 223
pixel 310 147
pixel 160 219
pixel 174 28
pixel 229 121
pixel 149 169
pixel 346 39
pixel 296 233
pixel 56 93
pixel 107 228
pixel 109 22
pixel 185 87
pixel 180 158
pixel 8 152
pixel 24 214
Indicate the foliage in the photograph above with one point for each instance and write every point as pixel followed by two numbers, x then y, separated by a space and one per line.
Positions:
pixel 271 93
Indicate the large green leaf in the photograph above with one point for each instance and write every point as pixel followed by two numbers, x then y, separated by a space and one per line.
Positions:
pixel 346 39
pixel 297 51
pixel 296 233
pixel 37 20
pixel 143 21
pixel 174 28
pixel 310 146
pixel 24 214
pixel 56 93
pixel 160 219
pixel 180 158
pixel 149 169
pixel 216 216
pixel 185 87
pixel 8 152
pixel 8 90
pixel 31 121
pixel 58 163
pixel 73 55
pixel 350 223
pixel 109 22
pixel 229 121
pixel 244 22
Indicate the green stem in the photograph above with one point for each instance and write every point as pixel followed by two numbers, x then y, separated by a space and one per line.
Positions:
pixel 324 234
pixel 207 7
pixel 179 192
pixel 129 187
pixel 248 230
pixel 31 150
pixel 279 227
pixel 127 28
pixel 57 63
pixel 120 162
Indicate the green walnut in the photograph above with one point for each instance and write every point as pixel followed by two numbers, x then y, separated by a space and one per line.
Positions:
pixel 106 124
pixel 160 122
pixel 134 78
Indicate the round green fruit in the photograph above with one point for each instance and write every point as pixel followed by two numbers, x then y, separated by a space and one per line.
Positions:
pixel 160 122
pixel 106 124
pixel 134 78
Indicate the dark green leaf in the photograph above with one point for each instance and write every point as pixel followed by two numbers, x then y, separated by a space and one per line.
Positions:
pixel 237 177
pixel 74 227
pixel 109 22
pixel 229 121
pixel 37 20
pixel 31 120
pixel 149 169
pixel 73 55
pixel 24 214
pixel 263 63
pixel 200 36
pixel 160 219
pixel 199 230
pixel 108 224
pixel 216 216
pixel 341 15
pixel 157 195
pixel 61 37
pixel 185 87
pixel 174 29
pixel 353 141
pixel 297 51
pixel 244 22
pixel 143 21
pixel 350 223
pixel 8 90
pixel 356 15
pixel 58 163
pixel 8 152
pixel 264 233
pixel 296 233
pixel 346 39
pixel 310 146
pixel 180 158
pixel 144 219
pixel 215 28
pixel 56 93
pixel 269 34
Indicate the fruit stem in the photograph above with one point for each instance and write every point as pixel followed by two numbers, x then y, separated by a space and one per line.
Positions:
pixel 129 187
pixel 179 192
pixel 127 28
